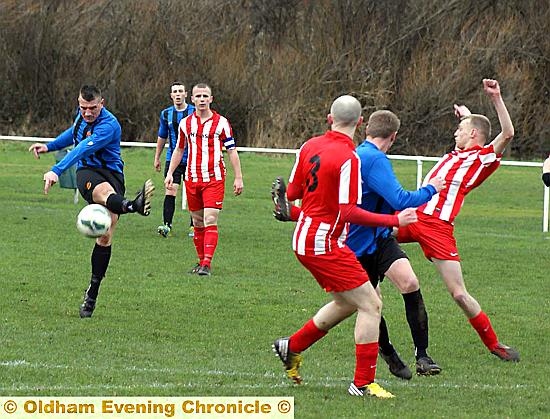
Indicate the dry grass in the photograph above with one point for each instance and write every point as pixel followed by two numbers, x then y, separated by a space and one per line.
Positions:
pixel 275 70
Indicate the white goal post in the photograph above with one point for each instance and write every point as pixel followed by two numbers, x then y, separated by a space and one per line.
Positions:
pixel 419 165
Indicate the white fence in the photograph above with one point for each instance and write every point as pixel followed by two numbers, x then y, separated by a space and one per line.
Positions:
pixel 419 163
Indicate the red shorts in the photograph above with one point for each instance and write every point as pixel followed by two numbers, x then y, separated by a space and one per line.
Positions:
pixel 337 271
pixel 205 195
pixel 435 236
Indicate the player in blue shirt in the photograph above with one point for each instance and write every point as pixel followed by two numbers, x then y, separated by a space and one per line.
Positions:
pixel 376 248
pixel 95 135
pixel 168 130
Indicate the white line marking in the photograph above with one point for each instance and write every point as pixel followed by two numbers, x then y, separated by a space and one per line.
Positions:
pixel 261 380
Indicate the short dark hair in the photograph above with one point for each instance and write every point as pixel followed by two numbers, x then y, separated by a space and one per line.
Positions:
pixel 89 92
pixel 176 83
pixel 382 124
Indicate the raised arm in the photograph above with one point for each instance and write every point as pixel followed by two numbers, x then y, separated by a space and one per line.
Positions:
pixel 461 111
pixel 492 89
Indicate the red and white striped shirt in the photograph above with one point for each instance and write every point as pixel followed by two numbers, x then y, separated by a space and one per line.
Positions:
pixel 327 172
pixel 205 140
pixel 463 170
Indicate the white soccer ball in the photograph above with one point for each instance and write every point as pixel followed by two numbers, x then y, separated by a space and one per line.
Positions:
pixel 93 220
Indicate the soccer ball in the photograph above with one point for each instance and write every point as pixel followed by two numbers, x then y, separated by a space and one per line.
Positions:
pixel 93 220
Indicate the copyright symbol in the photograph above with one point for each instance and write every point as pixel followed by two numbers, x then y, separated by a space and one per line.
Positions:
pixel 10 407
pixel 284 406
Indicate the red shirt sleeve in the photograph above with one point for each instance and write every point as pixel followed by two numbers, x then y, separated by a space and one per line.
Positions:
pixel 351 213
pixel 294 212
pixel 293 192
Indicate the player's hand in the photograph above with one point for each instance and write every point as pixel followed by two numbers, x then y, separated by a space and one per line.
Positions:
pixel 168 181
pixel 37 148
pixel 156 164
pixel 491 87
pixel 461 111
pixel 438 183
pixel 50 178
pixel 407 216
pixel 238 186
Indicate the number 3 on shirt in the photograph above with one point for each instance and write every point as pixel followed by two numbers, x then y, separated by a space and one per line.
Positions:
pixel 313 181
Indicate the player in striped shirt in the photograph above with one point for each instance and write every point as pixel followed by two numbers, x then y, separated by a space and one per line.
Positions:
pixel 326 177
pixel 206 133
pixel 464 168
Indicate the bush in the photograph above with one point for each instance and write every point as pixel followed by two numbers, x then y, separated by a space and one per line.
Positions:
pixel 275 70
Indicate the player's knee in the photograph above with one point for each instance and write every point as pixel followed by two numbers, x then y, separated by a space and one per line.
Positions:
pixel 210 220
pixel 171 190
pixel 379 307
pixel 101 192
pixel 371 305
pixel 410 284
pixel 376 305
pixel 104 240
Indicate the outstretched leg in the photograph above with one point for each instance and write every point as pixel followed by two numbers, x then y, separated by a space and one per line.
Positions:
pixel 289 349
pixel 451 272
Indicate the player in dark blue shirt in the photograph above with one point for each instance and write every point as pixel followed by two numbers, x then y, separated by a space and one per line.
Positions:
pixel 168 130
pixel 95 135
pixel 376 248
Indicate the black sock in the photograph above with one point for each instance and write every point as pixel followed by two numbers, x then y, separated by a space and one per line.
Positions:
pixel 93 288
pixel 101 256
pixel 117 203
pixel 384 339
pixel 169 209
pixel 417 317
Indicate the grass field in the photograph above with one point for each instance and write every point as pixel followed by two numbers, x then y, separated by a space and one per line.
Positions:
pixel 158 331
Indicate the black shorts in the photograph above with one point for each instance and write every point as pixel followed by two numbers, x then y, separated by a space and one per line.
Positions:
pixel 179 173
pixel 378 263
pixel 87 178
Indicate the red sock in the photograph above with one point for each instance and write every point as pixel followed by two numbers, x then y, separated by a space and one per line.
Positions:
pixel 198 241
pixel 482 325
pixel 210 243
pixel 365 363
pixel 305 337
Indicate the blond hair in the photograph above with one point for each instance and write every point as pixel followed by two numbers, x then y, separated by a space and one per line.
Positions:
pixel 481 123
pixel 202 86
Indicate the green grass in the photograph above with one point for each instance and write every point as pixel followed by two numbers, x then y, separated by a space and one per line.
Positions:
pixel 158 331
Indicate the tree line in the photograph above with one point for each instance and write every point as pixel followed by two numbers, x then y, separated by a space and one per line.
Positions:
pixel 276 65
